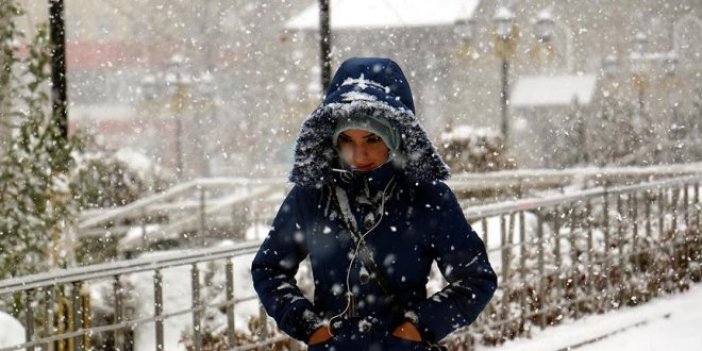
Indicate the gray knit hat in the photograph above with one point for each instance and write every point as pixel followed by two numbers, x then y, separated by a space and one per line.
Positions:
pixel 374 124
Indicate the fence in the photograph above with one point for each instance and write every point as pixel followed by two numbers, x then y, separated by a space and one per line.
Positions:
pixel 211 205
pixel 588 252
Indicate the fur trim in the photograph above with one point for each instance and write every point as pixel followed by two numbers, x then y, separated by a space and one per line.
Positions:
pixel 315 155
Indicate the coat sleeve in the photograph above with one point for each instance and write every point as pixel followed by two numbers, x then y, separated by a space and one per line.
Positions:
pixel 275 265
pixel 463 261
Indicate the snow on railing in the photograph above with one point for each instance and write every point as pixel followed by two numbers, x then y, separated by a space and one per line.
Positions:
pixel 557 258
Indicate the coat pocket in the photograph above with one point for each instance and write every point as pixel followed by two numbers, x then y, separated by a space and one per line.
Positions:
pixel 393 343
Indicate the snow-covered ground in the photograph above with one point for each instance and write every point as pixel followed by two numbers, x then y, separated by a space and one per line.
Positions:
pixel 11 331
pixel 667 323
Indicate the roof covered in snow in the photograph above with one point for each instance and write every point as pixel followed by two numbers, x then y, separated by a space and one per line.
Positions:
pixel 553 90
pixel 349 14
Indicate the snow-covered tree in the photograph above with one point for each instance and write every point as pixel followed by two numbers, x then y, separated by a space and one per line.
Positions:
pixel 35 200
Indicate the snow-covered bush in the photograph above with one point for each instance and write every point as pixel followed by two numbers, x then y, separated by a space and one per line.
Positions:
pixel 469 149
pixel 107 178
pixel 601 264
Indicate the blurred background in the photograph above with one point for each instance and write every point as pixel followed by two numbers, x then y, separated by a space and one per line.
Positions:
pixel 210 88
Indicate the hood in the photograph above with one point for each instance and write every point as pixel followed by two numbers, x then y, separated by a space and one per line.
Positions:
pixel 372 87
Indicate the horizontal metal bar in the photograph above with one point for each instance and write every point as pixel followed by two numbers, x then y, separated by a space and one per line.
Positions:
pixel 126 324
pixel 476 213
pixel 107 270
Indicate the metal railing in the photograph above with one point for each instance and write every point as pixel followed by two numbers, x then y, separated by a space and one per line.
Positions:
pixel 581 257
pixel 586 252
pixel 206 205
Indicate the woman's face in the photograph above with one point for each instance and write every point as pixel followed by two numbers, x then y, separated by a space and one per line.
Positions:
pixel 362 150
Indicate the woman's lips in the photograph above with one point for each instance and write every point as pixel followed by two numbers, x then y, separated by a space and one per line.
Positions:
pixel 364 167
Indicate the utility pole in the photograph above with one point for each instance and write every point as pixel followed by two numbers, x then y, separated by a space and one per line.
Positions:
pixel 59 98
pixel 325 44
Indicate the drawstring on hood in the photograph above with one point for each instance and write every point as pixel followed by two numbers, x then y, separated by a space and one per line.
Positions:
pixel 373 87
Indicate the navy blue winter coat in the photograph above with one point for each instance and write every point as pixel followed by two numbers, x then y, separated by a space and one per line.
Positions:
pixel 421 222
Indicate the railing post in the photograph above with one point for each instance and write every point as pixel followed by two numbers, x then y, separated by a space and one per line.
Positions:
pixel 120 341
pixel 556 235
pixel 484 223
pixel 661 213
pixel 203 215
pixel 686 199
pixel 263 322
pixel 590 249
pixel 197 336
pixel 29 317
pixel 49 303
pixel 574 258
pixel 231 330
pixel 674 200
pixel 158 308
pixel 87 314
pixel 522 266
pixel 606 269
pixel 77 315
pixel 635 230
pixel 621 236
pixel 557 247
pixel 504 245
pixel 698 204
pixel 649 199
pixel 542 278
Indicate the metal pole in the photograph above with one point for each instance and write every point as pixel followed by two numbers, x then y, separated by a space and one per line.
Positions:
pixel 197 332
pixel 59 96
pixel 504 244
pixel 231 331
pixel 661 213
pixel 29 318
pixel 77 315
pixel 203 215
pixel 522 265
pixel 158 308
pixel 179 146
pixel 119 314
pixel 590 250
pixel 698 202
pixel 49 303
pixel 504 100
pixel 574 259
pixel 325 44
pixel 620 233
pixel 542 278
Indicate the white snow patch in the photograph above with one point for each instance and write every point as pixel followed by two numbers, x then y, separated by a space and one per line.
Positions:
pixel 667 323
pixel 11 331
pixel 553 90
pixel 347 14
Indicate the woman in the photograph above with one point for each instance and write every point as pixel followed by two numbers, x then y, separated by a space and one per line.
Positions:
pixel 369 209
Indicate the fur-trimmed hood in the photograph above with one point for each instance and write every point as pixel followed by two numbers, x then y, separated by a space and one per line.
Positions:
pixel 371 87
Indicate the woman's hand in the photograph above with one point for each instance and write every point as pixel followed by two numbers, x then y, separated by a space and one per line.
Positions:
pixel 322 334
pixel 407 331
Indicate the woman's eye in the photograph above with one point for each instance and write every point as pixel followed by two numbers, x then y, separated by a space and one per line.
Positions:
pixel 373 139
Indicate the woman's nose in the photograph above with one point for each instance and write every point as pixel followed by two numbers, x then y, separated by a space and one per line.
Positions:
pixel 359 154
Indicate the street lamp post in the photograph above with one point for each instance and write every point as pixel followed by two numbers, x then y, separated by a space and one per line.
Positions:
pixel 505 45
pixel 546 27
pixel 506 34
pixel 186 92
pixel 179 81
